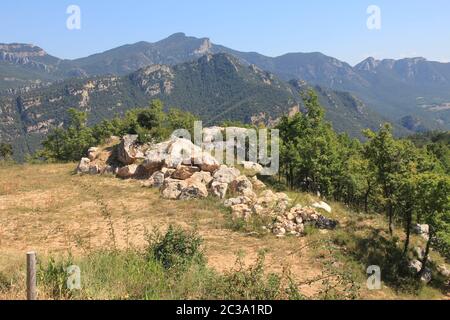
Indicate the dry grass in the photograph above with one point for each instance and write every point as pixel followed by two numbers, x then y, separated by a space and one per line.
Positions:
pixel 48 209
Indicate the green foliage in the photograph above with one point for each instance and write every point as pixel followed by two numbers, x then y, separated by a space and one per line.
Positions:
pixel 407 181
pixel 150 124
pixel 176 248
pixel 6 151
pixel 53 275
pixel 252 283
pixel 308 149
pixel 69 144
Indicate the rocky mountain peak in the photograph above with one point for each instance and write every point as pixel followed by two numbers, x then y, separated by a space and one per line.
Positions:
pixel 19 50
pixel 369 64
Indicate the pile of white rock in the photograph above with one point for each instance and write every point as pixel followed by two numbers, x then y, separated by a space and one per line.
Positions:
pixel 293 222
pixel 183 171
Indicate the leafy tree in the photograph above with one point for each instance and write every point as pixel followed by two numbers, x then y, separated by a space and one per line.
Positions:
pixel 433 204
pixel 309 146
pixel 69 144
pixel 179 119
pixel 389 158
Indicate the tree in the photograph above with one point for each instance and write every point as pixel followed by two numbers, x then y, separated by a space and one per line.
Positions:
pixel 389 158
pixel 433 204
pixel 152 117
pixel 69 144
pixel 309 149
pixel 179 119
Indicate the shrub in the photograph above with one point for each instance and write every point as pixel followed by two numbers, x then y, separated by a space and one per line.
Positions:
pixel 5 284
pixel 176 248
pixel 53 276
pixel 252 283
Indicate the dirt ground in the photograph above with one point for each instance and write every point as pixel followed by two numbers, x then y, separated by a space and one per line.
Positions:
pixel 48 209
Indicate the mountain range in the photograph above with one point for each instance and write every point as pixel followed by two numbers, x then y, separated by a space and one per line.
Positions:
pixel 216 83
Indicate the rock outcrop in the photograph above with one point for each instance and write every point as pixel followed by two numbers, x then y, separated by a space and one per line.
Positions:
pixel 183 171
pixel 129 150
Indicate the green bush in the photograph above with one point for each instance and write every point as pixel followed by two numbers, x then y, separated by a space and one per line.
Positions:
pixel 176 248
pixel 253 283
pixel 53 276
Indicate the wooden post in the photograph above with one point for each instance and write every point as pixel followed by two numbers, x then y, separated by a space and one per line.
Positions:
pixel 31 276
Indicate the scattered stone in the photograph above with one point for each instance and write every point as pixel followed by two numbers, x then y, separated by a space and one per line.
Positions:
pixel 427 276
pixel 235 201
pixel 184 171
pixel 443 270
pixel 422 230
pixel 415 266
pixel 322 205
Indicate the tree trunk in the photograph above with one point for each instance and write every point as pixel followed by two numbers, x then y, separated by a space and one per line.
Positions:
pixel 391 228
pixel 366 199
pixel 408 231
pixel 425 256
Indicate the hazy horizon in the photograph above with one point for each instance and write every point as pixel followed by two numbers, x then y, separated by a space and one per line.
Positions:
pixel 270 28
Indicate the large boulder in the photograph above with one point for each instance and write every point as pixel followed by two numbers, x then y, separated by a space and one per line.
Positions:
pixel 257 184
pixel 184 172
pixel 129 150
pixel 252 168
pixel 156 180
pixel 171 188
pixel 193 190
pixel 226 174
pixel 127 171
pixel 155 156
pixel 219 189
pixel 322 205
pixel 93 153
pixel 241 185
pixel 176 152
pixel 83 166
pixel 415 266
pixel 203 177
pixel 443 270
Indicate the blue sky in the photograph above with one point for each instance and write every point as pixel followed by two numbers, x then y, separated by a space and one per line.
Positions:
pixel 336 28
